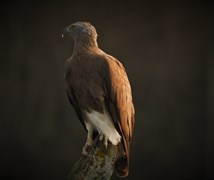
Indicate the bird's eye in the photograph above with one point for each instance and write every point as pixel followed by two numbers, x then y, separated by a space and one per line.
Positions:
pixel 72 27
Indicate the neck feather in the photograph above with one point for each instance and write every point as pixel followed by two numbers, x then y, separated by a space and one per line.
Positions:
pixel 86 44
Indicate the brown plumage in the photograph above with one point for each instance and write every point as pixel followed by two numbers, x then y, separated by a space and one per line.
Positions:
pixel 97 85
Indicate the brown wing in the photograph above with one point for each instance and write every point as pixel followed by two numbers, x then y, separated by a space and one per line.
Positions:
pixel 73 101
pixel 119 102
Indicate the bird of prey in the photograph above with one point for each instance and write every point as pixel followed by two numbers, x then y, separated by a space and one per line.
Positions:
pixel 99 90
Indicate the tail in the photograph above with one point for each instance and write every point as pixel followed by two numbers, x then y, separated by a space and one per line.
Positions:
pixel 122 162
pixel 122 166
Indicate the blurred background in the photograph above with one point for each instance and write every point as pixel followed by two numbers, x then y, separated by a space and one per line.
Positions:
pixel 168 51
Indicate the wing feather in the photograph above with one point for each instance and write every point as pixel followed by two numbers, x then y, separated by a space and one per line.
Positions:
pixel 119 102
pixel 74 103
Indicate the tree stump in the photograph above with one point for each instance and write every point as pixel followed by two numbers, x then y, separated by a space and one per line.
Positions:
pixel 98 164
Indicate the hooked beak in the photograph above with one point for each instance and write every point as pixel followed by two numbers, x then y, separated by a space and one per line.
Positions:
pixel 65 31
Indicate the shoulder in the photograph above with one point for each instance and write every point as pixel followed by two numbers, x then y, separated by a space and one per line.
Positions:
pixel 114 63
pixel 116 69
pixel 108 60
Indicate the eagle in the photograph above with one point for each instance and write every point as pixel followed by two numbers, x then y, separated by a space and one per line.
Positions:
pixel 99 90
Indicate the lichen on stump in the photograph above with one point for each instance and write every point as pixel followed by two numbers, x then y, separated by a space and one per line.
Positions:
pixel 98 164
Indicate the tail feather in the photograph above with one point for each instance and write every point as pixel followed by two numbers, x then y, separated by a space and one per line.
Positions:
pixel 122 166
pixel 122 162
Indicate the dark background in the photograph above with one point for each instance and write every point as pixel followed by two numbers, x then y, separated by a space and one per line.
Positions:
pixel 168 51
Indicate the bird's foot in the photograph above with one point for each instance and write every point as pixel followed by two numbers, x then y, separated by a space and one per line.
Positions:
pixel 88 145
pixel 104 139
pixel 86 149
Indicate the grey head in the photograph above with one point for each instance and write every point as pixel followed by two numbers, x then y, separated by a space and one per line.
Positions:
pixel 80 31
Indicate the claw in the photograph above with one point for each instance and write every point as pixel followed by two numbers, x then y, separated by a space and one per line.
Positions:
pixel 101 137
pixel 106 142
pixel 104 139
pixel 85 149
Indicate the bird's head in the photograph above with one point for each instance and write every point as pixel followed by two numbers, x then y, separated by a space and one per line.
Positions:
pixel 80 31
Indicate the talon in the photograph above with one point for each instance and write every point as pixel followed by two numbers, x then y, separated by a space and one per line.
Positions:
pixel 106 142
pixel 104 139
pixel 101 137
pixel 85 149
pixel 84 152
